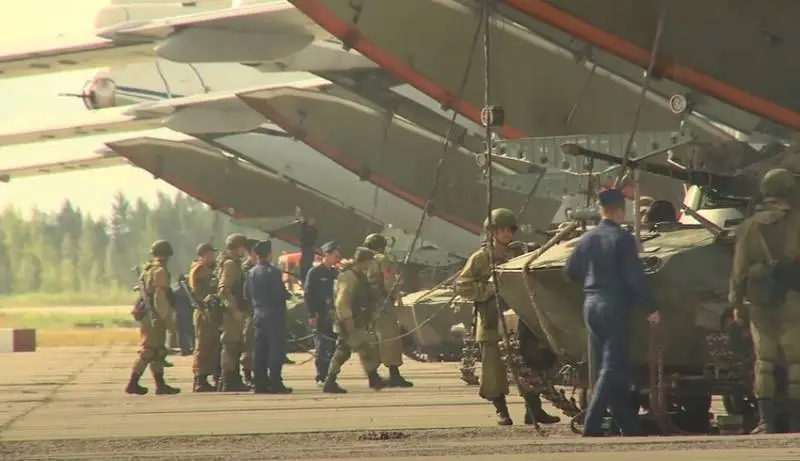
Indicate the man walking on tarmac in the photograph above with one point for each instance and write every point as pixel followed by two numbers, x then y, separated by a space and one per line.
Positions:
pixel 231 293
pixel 765 271
pixel 318 295
pixel 382 281
pixel 473 283
pixel 155 316
pixel 606 261
pixel 353 305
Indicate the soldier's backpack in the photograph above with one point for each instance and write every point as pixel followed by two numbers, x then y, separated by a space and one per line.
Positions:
pixel 769 281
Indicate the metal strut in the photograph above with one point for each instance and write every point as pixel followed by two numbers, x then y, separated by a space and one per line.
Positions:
pixel 645 86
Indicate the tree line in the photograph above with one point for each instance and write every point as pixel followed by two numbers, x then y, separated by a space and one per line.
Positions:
pixel 70 251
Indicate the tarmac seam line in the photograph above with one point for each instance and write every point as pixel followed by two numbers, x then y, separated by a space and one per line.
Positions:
pixel 53 392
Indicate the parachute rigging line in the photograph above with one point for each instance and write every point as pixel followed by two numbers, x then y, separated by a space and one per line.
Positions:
pixel 429 204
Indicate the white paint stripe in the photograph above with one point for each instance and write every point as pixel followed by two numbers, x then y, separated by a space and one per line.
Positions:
pixel 6 340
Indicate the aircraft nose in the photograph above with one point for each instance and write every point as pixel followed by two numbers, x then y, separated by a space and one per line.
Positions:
pixel 99 93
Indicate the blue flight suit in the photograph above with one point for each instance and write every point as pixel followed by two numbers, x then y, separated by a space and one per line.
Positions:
pixel 183 321
pixel 606 260
pixel 318 295
pixel 268 295
pixel 308 242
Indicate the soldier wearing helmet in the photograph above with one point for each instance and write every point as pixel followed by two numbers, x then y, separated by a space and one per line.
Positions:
pixel 206 323
pixel 353 304
pixel 230 289
pixel 765 273
pixel 158 317
pixel 382 281
pixel 474 283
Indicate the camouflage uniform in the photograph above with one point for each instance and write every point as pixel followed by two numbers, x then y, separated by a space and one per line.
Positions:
pixel 230 290
pixel 247 311
pixel 153 327
pixel 474 282
pixel 352 304
pixel 774 329
pixel 206 349
pixel 387 328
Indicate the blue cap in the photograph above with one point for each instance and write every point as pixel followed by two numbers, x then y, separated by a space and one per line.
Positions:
pixel 262 248
pixel 611 197
pixel 329 247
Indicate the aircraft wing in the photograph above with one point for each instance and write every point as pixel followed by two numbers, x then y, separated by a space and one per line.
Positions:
pixel 244 34
pixel 62 55
pixel 396 155
pixel 545 89
pixel 243 190
pixel 81 164
pixel 215 112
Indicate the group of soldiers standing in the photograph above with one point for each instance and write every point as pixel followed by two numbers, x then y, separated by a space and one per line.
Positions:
pixel 240 316
pixel 350 300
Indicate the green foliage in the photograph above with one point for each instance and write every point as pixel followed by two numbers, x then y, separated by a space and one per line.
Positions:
pixel 69 257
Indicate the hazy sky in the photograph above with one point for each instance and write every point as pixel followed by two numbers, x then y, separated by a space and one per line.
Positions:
pixel 23 101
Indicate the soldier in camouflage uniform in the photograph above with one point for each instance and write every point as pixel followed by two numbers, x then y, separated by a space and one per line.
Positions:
pixel 231 293
pixel 206 349
pixel 474 282
pixel 353 305
pixel 386 327
pixel 157 318
pixel 247 310
pixel 772 233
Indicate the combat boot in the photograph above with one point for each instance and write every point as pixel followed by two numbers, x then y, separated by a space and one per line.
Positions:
pixel 375 381
pixel 133 386
pixel 331 387
pixel 201 384
pixel 248 376
pixel 260 385
pixel 501 409
pixel 232 383
pixel 535 412
pixel 162 388
pixel 397 380
pixel 279 388
pixel 767 417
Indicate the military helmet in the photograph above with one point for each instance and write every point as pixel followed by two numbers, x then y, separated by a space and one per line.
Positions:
pixel 777 182
pixel 363 254
pixel 375 242
pixel 235 241
pixel 161 249
pixel 205 248
pixel 502 217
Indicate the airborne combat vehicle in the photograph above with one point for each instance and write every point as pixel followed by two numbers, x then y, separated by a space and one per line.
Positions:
pixel 688 268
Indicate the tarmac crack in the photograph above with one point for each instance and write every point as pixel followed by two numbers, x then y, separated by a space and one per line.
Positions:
pixel 50 396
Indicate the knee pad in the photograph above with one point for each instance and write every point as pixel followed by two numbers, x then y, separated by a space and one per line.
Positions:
pixel 793 378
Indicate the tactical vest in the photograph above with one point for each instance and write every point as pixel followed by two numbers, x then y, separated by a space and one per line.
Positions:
pixel 149 286
pixel 362 298
pixel 237 290
pixel 206 281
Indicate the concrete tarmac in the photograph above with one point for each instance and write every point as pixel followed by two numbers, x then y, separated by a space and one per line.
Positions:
pixel 68 403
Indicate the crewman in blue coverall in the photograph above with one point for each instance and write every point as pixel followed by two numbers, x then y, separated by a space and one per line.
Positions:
pixel 268 295
pixel 606 260
pixel 318 295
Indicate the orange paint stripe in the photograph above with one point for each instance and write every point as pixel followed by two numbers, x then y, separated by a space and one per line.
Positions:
pixel 543 11
pixel 317 11
pixel 348 163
